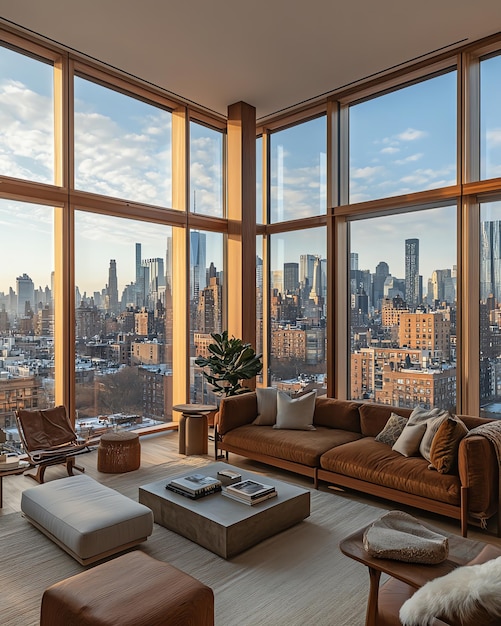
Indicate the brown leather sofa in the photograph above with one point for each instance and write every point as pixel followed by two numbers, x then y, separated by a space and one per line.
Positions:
pixel 342 451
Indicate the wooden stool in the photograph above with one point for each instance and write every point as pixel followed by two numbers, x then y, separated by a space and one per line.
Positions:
pixel 118 452
pixel 131 590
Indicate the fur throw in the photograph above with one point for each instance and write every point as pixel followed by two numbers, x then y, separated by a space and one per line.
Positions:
pixel 468 593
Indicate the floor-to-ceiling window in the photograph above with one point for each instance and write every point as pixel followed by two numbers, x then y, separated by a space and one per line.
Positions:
pixel 297 260
pixel 102 254
pixel 402 266
pixel 27 268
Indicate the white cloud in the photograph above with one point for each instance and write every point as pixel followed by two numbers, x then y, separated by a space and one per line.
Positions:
pixel 26 135
pixel 390 150
pixel 494 136
pixel 410 159
pixel 411 134
pixel 366 172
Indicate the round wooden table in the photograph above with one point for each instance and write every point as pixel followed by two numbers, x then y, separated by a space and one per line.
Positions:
pixel 118 452
pixel 193 427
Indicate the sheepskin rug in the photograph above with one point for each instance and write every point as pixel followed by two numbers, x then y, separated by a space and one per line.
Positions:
pixel 467 593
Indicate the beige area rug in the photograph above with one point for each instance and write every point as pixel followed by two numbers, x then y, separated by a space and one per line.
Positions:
pixel 296 578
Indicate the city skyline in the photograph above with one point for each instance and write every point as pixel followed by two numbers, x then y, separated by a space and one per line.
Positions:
pixel 390 137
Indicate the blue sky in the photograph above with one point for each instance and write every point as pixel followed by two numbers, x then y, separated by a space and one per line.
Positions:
pixel 401 142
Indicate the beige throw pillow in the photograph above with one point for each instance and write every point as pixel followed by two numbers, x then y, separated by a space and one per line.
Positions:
pixel 266 406
pixel 432 425
pixel 408 442
pixel 295 413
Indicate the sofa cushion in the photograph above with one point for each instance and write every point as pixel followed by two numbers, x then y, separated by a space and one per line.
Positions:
pixel 335 413
pixel 295 413
pixel 374 462
pixel 445 444
pixel 266 406
pixel 373 417
pixel 393 429
pixel 291 445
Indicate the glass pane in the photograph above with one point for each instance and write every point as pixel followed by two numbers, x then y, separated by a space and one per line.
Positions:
pixel 259 300
pixel 123 300
pixel 259 181
pixel 206 170
pixel 490 118
pixel 404 141
pixel 26 117
pixel 26 312
pixel 490 310
pixel 298 171
pixel 403 309
pixel 207 312
pixel 298 284
pixel 123 146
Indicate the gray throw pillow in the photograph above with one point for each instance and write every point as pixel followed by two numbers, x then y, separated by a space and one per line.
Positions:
pixel 266 406
pixel 295 413
pixel 392 430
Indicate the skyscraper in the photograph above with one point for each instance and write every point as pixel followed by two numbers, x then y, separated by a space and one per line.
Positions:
pixel 140 299
pixel 412 279
pixel 291 277
pixel 490 260
pixel 112 289
pixel 25 294
pixel 382 272
pixel 197 263
pixel 156 279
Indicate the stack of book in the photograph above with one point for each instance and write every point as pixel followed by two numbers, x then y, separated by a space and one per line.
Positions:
pixel 194 486
pixel 250 492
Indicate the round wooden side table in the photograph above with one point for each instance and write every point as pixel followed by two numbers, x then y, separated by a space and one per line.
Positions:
pixel 193 428
pixel 118 452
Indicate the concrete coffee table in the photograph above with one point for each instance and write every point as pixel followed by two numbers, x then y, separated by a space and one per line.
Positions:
pixel 222 525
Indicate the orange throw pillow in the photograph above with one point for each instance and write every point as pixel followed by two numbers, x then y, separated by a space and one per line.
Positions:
pixel 445 444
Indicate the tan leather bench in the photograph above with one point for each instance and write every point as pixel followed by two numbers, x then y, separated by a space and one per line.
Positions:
pixel 130 590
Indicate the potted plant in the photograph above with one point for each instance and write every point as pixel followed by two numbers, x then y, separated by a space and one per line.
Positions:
pixel 230 362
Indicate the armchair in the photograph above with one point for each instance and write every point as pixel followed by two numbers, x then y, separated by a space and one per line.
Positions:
pixel 48 438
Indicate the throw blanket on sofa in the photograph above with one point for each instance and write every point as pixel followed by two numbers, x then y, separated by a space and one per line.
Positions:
pixel 492 432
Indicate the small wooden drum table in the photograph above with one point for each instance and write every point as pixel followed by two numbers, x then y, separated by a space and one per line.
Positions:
pixel 193 427
pixel 118 452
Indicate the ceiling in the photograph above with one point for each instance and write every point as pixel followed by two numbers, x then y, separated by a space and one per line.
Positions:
pixel 272 54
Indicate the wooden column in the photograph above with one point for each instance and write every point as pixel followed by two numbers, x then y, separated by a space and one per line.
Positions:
pixel 241 260
pixel 180 262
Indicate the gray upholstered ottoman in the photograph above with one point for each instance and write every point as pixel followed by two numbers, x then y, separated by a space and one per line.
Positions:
pixel 87 519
